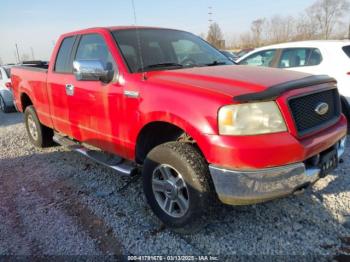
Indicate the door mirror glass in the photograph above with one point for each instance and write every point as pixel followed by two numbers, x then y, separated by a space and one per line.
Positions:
pixel 91 70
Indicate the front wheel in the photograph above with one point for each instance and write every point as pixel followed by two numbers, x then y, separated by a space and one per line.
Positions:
pixel 39 135
pixel 177 186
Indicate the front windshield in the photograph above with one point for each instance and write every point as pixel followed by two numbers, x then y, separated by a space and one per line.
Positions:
pixel 165 49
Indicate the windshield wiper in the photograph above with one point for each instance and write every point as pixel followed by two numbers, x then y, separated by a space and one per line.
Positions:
pixel 161 65
pixel 215 63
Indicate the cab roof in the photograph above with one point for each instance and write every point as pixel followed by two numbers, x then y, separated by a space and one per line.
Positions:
pixel 112 28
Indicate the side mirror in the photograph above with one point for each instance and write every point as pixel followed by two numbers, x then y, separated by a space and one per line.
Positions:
pixel 91 70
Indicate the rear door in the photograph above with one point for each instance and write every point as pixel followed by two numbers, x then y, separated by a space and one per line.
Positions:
pixel 58 81
pixel 307 60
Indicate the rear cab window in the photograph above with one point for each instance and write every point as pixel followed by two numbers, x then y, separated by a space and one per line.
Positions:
pixel 346 50
pixel 299 57
pixel 63 62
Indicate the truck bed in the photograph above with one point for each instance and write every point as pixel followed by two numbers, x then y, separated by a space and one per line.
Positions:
pixel 31 81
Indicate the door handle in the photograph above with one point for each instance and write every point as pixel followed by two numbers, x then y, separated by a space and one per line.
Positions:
pixel 69 89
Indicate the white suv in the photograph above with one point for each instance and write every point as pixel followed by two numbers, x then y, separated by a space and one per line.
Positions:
pixel 315 57
pixel 6 97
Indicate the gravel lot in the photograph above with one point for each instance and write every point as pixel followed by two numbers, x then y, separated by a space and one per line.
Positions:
pixel 56 202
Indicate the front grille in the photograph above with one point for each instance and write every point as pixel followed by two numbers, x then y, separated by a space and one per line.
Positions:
pixel 304 110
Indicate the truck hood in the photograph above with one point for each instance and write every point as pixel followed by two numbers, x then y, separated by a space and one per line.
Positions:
pixel 227 80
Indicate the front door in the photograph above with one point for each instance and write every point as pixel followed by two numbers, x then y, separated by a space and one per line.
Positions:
pixel 91 99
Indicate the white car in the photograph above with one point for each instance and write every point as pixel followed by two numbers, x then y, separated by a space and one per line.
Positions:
pixel 6 97
pixel 329 57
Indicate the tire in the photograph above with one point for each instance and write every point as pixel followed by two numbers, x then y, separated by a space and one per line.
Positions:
pixel 3 107
pixel 39 135
pixel 346 110
pixel 186 163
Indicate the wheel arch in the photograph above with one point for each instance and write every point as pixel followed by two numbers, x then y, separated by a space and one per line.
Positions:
pixel 25 101
pixel 158 132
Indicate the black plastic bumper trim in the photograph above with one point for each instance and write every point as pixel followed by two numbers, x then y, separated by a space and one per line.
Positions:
pixel 275 91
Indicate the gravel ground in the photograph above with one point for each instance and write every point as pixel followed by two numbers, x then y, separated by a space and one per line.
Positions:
pixel 56 202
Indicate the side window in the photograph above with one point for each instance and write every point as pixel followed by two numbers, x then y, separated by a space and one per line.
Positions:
pixel 346 50
pixel 93 47
pixel 315 57
pixel 262 58
pixel 62 64
pixel 0 74
pixel 298 57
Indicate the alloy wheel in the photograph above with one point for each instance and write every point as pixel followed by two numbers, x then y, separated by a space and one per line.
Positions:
pixel 170 191
pixel 33 130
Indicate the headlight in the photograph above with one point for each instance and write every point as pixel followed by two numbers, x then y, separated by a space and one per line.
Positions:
pixel 251 119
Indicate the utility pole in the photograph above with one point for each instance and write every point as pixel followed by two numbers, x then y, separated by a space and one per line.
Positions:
pixel 210 14
pixel 18 59
pixel 32 51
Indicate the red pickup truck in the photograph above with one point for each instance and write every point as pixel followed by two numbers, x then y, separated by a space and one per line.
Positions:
pixel 199 128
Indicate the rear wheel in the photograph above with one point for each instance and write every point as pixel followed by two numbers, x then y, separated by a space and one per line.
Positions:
pixel 177 186
pixel 39 135
pixel 3 107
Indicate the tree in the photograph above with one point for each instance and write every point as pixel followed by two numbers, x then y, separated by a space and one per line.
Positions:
pixel 280 29
pixel 246 41
pixel 215 36
pixel 257 28
pixel 305 28
pixel 328 13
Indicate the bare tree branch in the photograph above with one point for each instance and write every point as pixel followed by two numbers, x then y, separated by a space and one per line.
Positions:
pixel 327 14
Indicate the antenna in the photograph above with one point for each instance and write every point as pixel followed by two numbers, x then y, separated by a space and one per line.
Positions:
pixel 138 40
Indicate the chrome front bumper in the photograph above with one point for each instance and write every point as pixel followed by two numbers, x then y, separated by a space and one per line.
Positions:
pixel 250 187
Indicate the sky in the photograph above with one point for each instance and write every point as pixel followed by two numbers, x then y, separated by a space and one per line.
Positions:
pixel 37 24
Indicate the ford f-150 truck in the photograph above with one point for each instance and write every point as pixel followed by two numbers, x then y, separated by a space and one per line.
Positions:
pixel 167 104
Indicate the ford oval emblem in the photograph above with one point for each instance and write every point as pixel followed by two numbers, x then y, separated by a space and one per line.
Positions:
pixel 322 109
